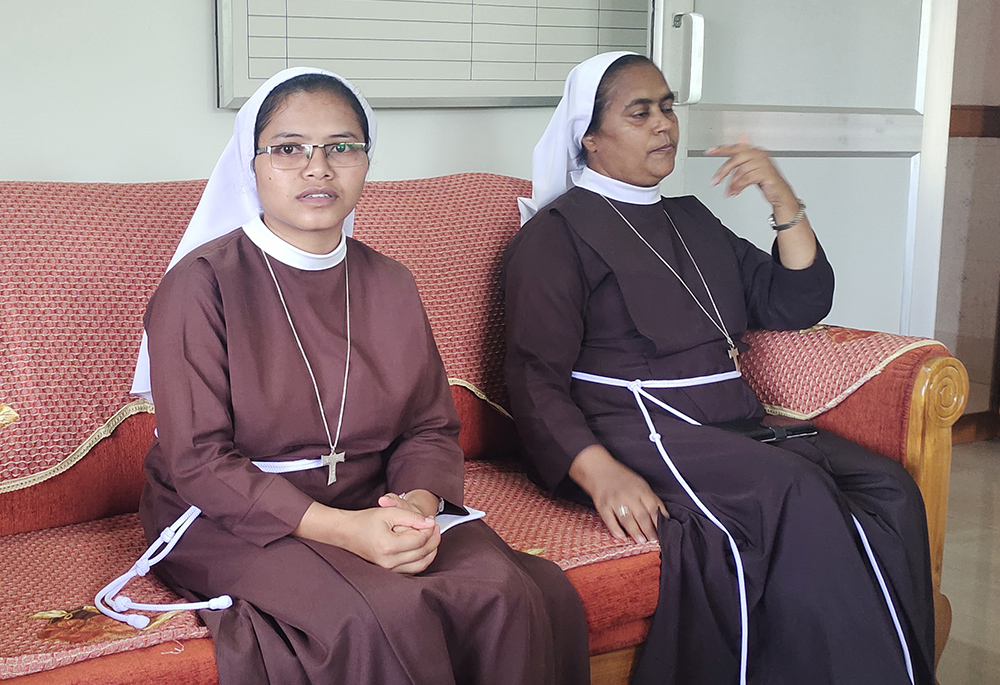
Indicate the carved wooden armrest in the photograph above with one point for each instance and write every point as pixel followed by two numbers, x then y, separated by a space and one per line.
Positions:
pixel 937 401
pixel 895 395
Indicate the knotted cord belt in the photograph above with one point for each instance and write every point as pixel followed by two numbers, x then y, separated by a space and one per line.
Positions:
pixel 118 604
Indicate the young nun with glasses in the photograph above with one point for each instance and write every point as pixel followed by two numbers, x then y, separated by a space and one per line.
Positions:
pixel 804 561
pixel 307 440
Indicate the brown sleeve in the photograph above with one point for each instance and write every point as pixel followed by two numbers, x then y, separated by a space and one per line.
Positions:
pixel 426 455
pixel 545 292
pixel 186 326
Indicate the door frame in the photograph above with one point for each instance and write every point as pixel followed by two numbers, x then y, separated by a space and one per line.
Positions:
pixel 920 133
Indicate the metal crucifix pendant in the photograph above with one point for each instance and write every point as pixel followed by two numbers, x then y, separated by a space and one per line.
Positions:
pixel 734 354
pixel 330 461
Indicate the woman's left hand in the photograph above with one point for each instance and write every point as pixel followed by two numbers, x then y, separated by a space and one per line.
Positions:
pixel 748 165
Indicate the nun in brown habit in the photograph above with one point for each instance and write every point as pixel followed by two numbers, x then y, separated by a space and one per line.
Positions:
pixel 804 562
pixel 307 439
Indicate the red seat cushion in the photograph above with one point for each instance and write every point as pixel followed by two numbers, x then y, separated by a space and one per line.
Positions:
pixel 55 573
pixel 50 577
pixel 617 581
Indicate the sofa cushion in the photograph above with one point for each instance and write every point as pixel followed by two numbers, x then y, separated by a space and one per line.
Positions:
pixel 451 232
pixel 567 533
pixel 49 579
pixel 617 581
pixel 51 576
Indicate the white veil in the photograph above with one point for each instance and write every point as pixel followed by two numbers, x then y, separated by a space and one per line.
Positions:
pixel 557 154
pixel 230 198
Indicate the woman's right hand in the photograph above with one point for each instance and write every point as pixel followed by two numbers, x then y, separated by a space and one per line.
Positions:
pixel 623 498
pixel 394 538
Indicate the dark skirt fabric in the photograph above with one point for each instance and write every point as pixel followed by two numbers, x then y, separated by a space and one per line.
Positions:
pixel 817 614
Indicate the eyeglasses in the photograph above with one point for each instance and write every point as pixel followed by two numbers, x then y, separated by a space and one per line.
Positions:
pixel 297 155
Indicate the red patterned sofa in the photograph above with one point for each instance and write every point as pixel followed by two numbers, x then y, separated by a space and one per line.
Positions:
pixel 79 262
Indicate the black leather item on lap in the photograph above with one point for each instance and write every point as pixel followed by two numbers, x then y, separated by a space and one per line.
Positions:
pixel 769 429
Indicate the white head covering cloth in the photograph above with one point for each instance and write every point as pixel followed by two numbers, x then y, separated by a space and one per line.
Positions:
pixel 557 154
pixel 230 198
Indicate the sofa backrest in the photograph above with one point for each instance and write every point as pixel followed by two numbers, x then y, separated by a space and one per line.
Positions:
pixel 451 232
pixel 80 261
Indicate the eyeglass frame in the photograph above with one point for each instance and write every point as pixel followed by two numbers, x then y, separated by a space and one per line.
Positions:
pixel 309 147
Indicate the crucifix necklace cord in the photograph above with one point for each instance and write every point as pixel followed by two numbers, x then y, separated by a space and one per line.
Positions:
pixel 733 352
pixel 334 457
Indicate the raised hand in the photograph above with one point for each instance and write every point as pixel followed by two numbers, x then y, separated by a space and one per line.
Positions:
pixel 623 498
pixel 748 165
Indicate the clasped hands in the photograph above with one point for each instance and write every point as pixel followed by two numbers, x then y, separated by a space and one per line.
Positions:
pixel 399 534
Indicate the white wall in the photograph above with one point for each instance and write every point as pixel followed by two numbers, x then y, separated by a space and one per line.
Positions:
pixel 969 290
pixel 125 91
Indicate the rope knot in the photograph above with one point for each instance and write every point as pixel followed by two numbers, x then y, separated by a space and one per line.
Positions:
pixel 654 437
pixel 141 567
pixel 635 386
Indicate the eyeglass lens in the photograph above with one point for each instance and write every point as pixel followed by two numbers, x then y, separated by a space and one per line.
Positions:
pixel 297 156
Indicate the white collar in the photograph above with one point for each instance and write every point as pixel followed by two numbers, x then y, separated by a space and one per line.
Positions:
pixel 588 179
pixel 286 253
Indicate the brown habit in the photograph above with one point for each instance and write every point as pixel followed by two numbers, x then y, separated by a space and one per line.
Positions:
pixel 584 293
pixel 230 386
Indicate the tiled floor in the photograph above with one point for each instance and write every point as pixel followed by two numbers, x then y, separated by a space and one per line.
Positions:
pixel 971 576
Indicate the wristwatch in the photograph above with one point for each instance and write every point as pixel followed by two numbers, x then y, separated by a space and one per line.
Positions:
pixel 795 219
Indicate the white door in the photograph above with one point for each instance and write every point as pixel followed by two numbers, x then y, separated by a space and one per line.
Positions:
pixel 853 98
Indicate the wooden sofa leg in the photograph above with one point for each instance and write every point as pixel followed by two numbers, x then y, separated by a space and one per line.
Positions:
pixel 613 668
pixel 942 626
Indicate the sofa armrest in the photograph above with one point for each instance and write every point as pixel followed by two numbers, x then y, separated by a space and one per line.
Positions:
pixel 906 413
pixel 938 400
pixel 106 481
pixel 895 395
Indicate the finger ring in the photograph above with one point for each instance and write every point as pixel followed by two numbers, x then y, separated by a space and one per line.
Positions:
pixel 622 511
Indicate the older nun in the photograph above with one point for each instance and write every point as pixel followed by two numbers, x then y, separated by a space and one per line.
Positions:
pixel 804 561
